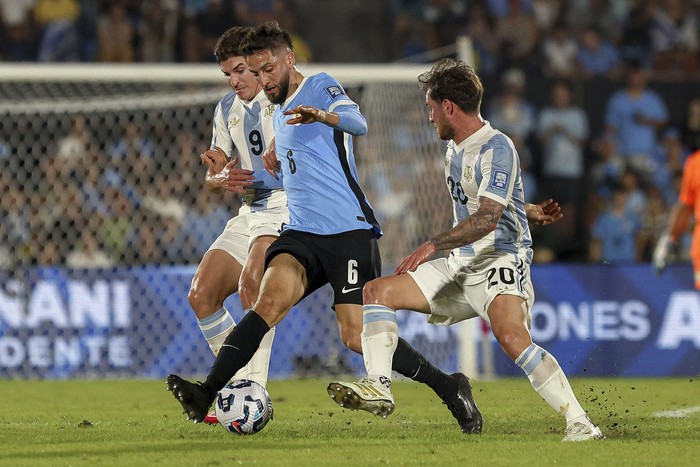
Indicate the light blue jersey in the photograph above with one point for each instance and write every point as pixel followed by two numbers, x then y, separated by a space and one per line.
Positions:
pixel 487 164
pixel 248 127
pixel 318 163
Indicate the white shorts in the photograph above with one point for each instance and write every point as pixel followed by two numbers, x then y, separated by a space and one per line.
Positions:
pixel 242 230
pixel 457 290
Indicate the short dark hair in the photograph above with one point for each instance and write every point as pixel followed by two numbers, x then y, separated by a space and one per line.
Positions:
pixel 267 36
pixel 455 81
pixel 231 43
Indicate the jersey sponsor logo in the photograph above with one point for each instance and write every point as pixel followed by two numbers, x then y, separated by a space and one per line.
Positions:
pixel 235 120
pixel 334 91
pixel 499 179
pixel 344 290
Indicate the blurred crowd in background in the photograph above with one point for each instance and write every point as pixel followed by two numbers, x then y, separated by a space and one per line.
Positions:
pixel 601 98
pixel 555 35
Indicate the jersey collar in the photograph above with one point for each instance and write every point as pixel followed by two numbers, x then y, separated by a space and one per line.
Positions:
pixel 476 137
pixel 290 98
pixel 259 97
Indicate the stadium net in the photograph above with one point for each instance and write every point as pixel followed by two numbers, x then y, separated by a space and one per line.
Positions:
pixel 100 165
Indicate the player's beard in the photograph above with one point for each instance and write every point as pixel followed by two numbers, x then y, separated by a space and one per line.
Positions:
pixel 445 131
pixel 283 90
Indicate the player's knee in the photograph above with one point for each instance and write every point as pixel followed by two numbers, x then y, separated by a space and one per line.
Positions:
pixel 202 301
pixel 376 291
pixel 512 341
pixel 248 291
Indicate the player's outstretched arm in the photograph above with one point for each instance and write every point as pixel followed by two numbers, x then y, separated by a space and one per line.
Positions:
pixel 474 227
pixel 305 114
pixel 347 118
pixel 422 254
pixel 471 229
pixel 544 213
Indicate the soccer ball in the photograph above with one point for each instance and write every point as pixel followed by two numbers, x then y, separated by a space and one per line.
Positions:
pixel 243 407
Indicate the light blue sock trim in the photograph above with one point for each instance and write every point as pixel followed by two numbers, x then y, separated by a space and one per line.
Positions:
pixel 216 324
pixel 530 358
pixel 374 313
pixel 220 313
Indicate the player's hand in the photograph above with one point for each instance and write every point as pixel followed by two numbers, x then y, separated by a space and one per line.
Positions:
pixel 659 259
pixel 234 179
pixel 304 114
pixel 270 161
pixel 215 159
pixel 422 254
pixel 546 212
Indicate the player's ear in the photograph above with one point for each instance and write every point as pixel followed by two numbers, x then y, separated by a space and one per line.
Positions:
pixel 448 106
pixel 291 59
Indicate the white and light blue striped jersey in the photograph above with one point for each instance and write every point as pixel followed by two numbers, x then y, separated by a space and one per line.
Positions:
pixel 318 163
pixel 249 128
pixel 487 164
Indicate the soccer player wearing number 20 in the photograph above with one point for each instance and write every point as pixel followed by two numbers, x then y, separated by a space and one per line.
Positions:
pixel 487 273
pixel 331 237
pixel 235 261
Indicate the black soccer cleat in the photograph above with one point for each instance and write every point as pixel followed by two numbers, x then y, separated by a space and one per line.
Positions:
pixel 462 405
pixel 195 400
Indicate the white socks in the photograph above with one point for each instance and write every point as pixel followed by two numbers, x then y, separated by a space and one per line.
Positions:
pixel 217 327
pixel 548 379
pixel 380 336
pixel 258 366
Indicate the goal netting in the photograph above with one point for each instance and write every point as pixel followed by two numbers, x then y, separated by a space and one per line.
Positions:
pixel 103 217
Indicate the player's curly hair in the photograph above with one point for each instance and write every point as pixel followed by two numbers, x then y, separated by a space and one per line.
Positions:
pixel 230 44
pixel 267 36
pixel 455 81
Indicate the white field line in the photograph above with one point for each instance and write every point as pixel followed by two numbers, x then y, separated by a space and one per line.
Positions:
pixel 678 413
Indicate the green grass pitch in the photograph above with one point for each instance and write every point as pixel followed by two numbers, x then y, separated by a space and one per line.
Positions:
pixel 137 422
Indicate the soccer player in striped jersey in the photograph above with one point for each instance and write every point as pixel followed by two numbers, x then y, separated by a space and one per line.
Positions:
pixel 487 273
pixel 331 236
pixel 235 261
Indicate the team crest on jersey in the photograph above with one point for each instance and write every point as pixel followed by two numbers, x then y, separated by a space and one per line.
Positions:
pixel 499 179
pixel 269 110
pixel 334 91
pixel 235 120
pixel 468 174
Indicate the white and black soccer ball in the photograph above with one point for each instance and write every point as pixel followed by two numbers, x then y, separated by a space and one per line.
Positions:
pixel 243 407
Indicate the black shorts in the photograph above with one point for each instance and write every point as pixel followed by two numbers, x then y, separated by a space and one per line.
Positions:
pixel 347 260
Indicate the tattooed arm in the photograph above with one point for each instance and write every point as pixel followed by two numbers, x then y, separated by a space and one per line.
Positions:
pixel 471 229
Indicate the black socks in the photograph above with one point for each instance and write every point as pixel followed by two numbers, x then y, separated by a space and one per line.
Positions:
pixel 245 338
pixel 237 350
pixel 412 364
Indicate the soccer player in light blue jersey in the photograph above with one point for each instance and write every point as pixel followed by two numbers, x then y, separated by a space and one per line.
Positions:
pixel 242 129
pixel 331 237
pixel 487 273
